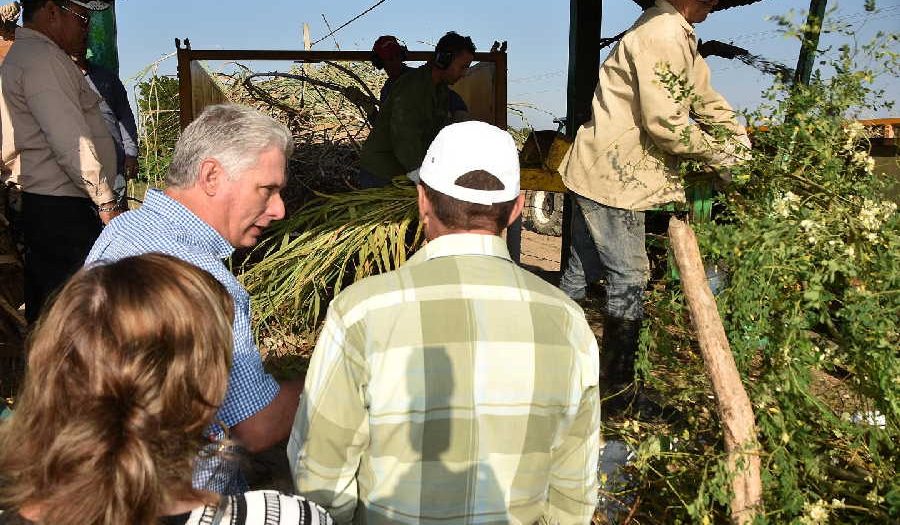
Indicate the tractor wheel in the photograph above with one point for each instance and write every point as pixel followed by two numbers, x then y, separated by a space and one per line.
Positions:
pixel 544 212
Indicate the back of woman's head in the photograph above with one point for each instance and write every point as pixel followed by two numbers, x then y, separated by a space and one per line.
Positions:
pixel 125 370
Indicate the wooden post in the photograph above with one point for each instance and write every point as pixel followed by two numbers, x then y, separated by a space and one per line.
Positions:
pixel 185 83
pixel 514 232
pixel 733 404
pixel 810 41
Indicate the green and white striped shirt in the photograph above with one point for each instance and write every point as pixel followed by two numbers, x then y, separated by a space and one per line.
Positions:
pixel 457 389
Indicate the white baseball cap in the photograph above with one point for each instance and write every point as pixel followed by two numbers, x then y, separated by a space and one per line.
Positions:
pixel 471 146
pixel 93 5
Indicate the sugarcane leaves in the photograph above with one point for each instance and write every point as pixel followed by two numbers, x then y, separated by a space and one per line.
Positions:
pixel 326 245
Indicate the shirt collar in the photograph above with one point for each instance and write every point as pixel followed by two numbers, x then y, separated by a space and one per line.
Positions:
pixel 199 231
pixel 462 244
pixel 668 8
pixel 25 33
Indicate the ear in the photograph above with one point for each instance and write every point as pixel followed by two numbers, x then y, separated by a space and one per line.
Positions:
pixel 211 176
pixel 424 205
pixel 517 209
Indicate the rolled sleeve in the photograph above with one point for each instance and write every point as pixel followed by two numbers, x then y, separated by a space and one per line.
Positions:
pixel 250 387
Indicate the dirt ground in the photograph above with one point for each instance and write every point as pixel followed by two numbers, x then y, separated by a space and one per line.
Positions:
pixel 541 251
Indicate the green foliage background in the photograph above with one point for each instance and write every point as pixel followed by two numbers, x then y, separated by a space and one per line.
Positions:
pixel 157 103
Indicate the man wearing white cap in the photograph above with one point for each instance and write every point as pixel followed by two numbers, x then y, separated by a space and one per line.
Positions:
pixel 55 145
pixel 459 385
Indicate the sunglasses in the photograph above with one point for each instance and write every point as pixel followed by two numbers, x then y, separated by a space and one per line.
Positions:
pixel 82 19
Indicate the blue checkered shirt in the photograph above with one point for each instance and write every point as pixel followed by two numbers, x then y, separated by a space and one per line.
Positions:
pixel 166 226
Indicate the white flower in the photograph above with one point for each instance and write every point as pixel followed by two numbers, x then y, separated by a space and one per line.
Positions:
pixel 815 513
pixel 850 251
pixel 873 214
pixel 854 130
pixel 784 205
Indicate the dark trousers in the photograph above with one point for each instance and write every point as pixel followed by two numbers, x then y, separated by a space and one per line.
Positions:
pixel 58 234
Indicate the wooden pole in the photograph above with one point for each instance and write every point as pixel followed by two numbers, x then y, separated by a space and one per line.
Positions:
pixel 733 404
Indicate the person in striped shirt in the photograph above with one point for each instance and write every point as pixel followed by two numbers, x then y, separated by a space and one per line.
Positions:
pixel 459 388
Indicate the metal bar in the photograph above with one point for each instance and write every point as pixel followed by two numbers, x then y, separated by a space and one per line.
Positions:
pixel 313 56
pixel 810 41
pixel 514 231
pixel 500 80
pixel 185 84
pixel 584 69
pixel 893 121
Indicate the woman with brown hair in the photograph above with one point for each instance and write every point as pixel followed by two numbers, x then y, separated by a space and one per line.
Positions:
pixel 125 372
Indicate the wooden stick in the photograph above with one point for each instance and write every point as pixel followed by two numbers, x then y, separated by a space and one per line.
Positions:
pixel 734 406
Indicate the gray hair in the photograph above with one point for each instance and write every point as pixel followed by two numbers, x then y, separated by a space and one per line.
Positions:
pixel 232 134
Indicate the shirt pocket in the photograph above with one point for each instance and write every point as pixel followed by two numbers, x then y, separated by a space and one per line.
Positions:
pixel 87 97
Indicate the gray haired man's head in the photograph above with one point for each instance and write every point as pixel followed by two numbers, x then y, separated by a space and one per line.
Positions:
pixel 234 135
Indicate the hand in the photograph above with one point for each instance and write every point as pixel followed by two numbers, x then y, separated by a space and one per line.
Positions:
pixel 107 216
pixel 131 167
pixel 109 211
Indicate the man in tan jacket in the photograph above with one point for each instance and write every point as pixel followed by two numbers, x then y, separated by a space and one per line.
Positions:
pixel 625 161
pixel 55 144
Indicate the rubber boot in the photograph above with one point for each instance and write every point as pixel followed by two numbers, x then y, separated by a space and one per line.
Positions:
pixel 617 357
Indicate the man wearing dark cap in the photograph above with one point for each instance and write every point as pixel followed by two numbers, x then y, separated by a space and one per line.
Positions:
pixel 459 386
pixel 389 55
pixel 55 144
pixel 625 160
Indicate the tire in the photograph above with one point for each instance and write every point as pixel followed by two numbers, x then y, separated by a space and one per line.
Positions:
pixel 543 212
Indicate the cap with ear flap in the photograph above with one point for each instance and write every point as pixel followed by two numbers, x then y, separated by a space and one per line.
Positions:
pixel 93 5
pixel 472 146
pixel 387 47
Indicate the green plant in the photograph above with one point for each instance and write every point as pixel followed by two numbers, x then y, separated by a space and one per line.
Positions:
pixel 158 112
pixel 811 244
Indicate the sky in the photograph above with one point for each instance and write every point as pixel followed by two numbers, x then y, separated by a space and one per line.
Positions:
pixel 537 33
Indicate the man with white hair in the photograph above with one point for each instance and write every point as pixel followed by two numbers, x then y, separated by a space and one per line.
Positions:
pixel 459 385
pixel 223 189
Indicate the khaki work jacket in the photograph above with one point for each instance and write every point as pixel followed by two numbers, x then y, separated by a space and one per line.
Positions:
pixel 627 155
pixel 54 139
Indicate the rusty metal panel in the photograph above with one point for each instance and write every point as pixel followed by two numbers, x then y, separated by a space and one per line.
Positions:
pixel 190 102
pixel 205 91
